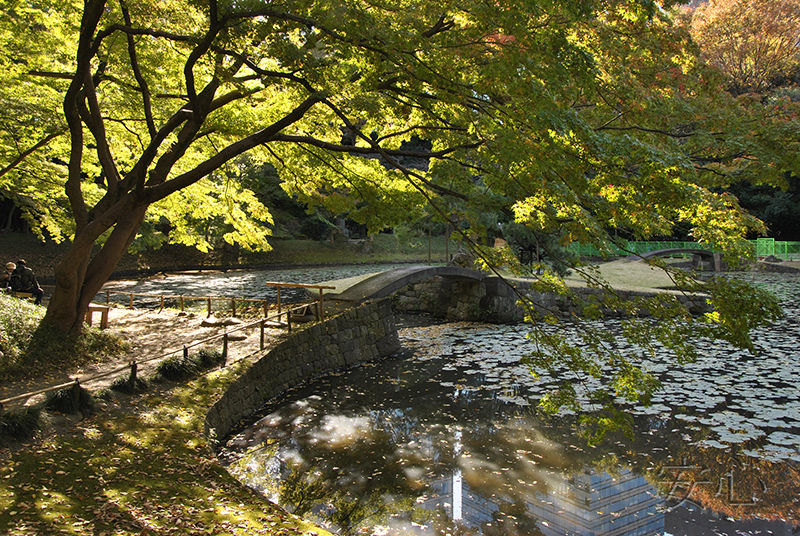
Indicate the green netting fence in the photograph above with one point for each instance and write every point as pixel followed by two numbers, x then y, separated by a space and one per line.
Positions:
pixel 764 247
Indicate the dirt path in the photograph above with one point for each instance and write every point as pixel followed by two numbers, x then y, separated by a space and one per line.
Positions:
pixel 152 337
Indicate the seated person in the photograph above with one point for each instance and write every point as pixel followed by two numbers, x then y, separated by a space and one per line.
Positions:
pixel 26 281
pixel 5 278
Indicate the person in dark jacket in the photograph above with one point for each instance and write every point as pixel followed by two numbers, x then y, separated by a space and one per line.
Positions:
pixel 27 281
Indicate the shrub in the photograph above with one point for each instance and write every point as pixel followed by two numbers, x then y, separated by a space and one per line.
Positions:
pixel 207 359
pixel 179 368
pixel 64 401
pixel 122 384
pixel 30 348
pixel 18 322
pixel 19 424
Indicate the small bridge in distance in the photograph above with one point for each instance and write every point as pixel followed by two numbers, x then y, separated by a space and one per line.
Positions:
pixel 714 259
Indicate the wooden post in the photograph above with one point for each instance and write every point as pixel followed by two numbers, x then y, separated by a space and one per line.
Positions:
pixel 181 303
pixel 162 304
pixel 279 302
pixel 429 241
pixel 447 243
pixel 320 311
pixel 132 377
pixel 209 307
pixel 233 307
pixel 261 344
pixel 288 320
pixel 185 352
pixel 131 300
pixel 108 298
pixel 266 309
pixel 76 393
pixel 224 347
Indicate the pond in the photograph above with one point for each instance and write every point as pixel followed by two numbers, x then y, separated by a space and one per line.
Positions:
pixel 446 439
pixel 247 284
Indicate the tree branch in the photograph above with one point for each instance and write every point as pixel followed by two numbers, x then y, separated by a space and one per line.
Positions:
pixel 93 119
pixel 439 27
pixel 265 72
pixel 376 148
pixel 188 70
pixel 336 148
pixel 51 74
pixel 26 153
pixel 92 11
pixel 137 72
pixel 161 190
pixel 678 135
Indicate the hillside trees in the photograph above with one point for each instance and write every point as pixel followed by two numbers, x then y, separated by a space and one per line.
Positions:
pixel 755 43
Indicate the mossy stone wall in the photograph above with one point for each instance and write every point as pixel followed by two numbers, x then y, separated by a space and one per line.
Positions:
pixel 356 336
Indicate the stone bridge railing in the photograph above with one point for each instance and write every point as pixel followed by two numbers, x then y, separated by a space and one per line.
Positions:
pixel 494 299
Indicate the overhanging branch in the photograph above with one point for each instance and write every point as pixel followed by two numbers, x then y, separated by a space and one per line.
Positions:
pixel 336 148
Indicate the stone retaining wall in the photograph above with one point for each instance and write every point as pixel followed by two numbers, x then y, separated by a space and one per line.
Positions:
pixel 356 336
pixel 494 300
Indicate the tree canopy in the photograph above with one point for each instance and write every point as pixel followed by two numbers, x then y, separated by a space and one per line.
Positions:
pixel 755 43
pixel 582 117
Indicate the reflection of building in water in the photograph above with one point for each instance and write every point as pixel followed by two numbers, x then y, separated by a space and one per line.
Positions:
pixel 464 506
pixel 595 504
pixel 455 497
pixel 586 504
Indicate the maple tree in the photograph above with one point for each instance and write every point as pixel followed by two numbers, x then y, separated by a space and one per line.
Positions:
pixel 574 118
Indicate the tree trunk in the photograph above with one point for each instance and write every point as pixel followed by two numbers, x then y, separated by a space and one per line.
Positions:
pixel 79 279
pixel 7 227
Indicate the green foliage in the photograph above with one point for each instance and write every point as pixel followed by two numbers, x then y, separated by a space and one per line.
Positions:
pixel 574 120
pixel 18 322
pixel 66 401
pixel 596 427
pixel 178 367
pixel 739 308
pixel 538 251
pixel 597 372
pixel 30 348
pixel 778 208
pixel 19 425
pixel 123 384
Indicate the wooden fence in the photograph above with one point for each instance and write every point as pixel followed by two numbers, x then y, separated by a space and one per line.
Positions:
pixel 133 365
pixel 319 310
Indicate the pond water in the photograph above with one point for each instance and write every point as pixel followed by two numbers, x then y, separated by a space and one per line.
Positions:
pixel 247 284
pixel 446 439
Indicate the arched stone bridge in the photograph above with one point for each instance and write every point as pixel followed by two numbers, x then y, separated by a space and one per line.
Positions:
pixel 707 255
pixel 710 259
pixel 386 283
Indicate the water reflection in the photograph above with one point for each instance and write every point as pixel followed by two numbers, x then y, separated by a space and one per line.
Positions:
pixel 447 441
pixel 389 449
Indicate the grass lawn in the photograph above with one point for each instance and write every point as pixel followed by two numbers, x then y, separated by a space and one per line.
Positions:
pixel 139 466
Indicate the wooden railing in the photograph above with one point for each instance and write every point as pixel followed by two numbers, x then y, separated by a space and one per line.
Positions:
pixel 133 365
pixel 209 299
